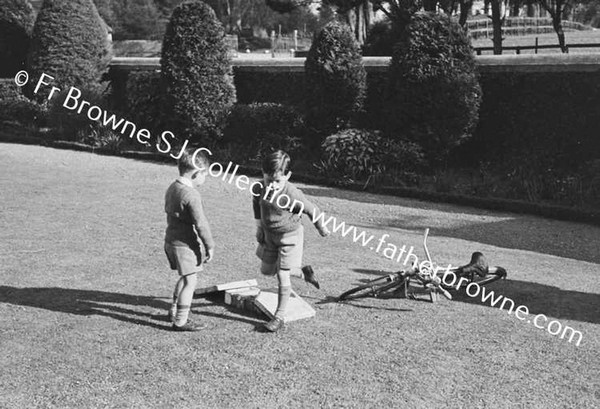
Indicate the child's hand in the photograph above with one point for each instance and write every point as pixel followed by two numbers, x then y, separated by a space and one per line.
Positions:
pixel 260 235
pixel 323 231
pixel 209 255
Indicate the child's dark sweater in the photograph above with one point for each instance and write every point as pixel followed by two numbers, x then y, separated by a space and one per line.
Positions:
pixel 183 205
pixel 284 218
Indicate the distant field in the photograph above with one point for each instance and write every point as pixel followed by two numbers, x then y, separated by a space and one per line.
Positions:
pixel 572 37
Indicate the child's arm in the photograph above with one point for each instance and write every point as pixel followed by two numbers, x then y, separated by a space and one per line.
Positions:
pixel 260 234
pixel 202 227
pixel 303 205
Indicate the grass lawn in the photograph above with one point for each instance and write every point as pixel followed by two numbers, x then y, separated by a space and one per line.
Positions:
pixel 571 37
pixel 84 287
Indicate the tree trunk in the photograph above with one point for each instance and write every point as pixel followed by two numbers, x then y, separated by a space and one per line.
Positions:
pixel 486 7
pixel 497 25
pixel 530 8
pixel 516 8
pixel 465 9
pixel 557 23
pixel 359 19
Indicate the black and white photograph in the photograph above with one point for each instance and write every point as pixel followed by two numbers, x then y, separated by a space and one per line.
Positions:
pixel 299 204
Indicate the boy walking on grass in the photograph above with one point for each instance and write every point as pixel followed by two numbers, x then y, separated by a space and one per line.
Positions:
pixel 186 225
pixel 278 207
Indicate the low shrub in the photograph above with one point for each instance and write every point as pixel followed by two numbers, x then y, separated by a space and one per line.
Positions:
pixel 8 89
pixel 14 107
pixel 251 130
pixel 144 100
pixel 336 79
pixel 69 125
pixel 433 94
pixel 358 154
pixel 23 111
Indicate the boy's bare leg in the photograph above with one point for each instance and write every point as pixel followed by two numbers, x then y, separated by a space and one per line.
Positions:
pixel 296 272
pixel 184 301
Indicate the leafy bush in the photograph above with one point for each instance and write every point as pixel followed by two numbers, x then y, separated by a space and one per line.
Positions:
pixel 70 43
pixel 14 107
pixel 16 22
pixel 137 20
pixel 69 125
pixel 22 110
pixel 433 95
pixel 196 73
pixel 8 89
pixel 144 100
pixel 358 154
pixel 336 79
pixel 256 128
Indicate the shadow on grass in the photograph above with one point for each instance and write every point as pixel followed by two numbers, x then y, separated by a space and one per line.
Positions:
pixel 87 302
pixel 119 306
pixel 540 299
pixel 515 231
pixel 240 315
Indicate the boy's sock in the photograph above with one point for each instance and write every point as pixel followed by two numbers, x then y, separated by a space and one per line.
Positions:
pixel 282 300
pixel 173 309
pixel 181 317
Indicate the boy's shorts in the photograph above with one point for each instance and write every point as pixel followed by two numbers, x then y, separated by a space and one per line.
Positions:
pixel 285 248
pixel 186 260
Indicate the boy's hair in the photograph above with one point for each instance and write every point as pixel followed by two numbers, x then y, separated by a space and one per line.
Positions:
pixel 185 163
pixel 274 162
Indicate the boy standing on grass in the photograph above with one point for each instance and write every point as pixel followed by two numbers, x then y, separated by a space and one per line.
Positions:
pixel 186 223
pixel 278 207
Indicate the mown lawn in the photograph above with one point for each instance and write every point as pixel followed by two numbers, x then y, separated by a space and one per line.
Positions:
pixel 84 287
pixel 571 37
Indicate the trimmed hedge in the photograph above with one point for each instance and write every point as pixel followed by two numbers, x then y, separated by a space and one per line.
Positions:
pixel 565 104
pixel 14 107
pixel 335 79
pixel 144 101
pixel 70 43
pixel 16 23
pixel 538 121
pixel 196 73
pixel 433 94
pixel 259 127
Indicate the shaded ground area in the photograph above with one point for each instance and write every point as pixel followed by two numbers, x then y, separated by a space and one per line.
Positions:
pixel 564 239
pixel 84 287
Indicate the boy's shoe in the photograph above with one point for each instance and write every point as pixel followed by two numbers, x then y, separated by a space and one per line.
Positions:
pixel 309 276
pixel 188 327
pixel 274 325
